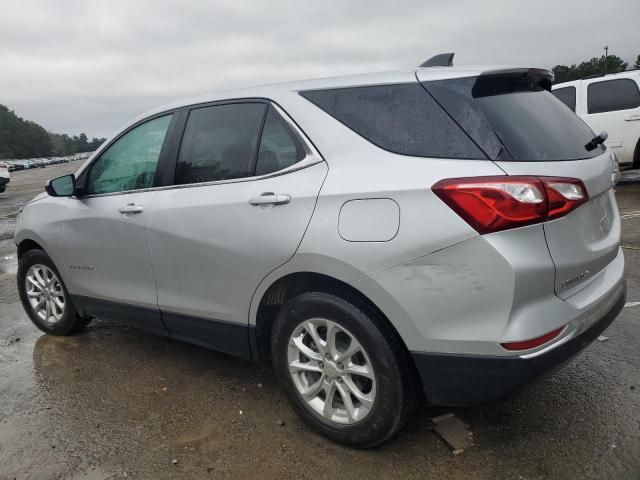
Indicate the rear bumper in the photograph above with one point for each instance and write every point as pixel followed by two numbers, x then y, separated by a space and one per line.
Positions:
pixel 463 380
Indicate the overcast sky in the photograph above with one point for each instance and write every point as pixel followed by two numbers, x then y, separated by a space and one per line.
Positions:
pixel 90 66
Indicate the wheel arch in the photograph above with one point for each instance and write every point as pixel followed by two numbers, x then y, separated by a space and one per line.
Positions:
pixel 292 284
pixel 27 244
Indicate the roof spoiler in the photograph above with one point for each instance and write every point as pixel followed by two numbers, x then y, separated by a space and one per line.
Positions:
pixel 440 60
pixel 496 82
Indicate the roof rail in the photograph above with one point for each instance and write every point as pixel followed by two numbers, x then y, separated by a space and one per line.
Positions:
pixel 597 75
pixel 440 60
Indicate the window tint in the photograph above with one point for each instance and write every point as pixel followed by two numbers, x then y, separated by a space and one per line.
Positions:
pixel 130 163
pixel 534 125
pixel 401 118
pixel 566 95
pixel 455 96
pixel 220 143
pixel 610 95
pixel 280 147
pixel 514 118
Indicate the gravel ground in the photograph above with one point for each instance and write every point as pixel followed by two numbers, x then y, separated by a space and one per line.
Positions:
pixel 113 402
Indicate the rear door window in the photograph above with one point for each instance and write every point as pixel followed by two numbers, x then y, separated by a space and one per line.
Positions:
pixel 400 118
pixel 612 95
pixel 566 95
pixel 220 143
pixel 280 147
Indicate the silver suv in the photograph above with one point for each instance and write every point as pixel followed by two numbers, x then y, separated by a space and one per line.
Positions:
pixel 444 230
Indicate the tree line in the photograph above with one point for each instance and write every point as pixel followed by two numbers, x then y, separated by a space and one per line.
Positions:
pixel 20 138
pixel 595 66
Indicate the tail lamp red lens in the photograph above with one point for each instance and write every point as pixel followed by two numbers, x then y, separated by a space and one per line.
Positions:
pixel 533 342
pixel 492 204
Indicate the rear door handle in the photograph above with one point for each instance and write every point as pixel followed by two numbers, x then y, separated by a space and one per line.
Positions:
pixel 270 198
pixel 131 208
pixel 632 118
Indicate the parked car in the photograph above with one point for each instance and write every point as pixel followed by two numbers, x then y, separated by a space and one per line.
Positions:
pixel 609 103
pixel 31 163
pixel 13 165
pixel 444 230
pixel 5 176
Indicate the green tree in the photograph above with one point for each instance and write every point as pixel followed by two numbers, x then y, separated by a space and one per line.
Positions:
pixel 595 66
pixel 21 138
pixel 637 64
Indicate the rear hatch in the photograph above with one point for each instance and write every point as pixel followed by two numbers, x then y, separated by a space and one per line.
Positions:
pixel 512 116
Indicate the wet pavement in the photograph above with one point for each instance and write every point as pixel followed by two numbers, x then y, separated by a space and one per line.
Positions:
pixel 113 402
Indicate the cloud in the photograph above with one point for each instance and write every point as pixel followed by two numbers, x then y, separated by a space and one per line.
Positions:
pixel 91 65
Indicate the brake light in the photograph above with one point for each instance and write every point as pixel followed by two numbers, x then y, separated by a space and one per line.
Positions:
pixel 533 342
pixel 492 204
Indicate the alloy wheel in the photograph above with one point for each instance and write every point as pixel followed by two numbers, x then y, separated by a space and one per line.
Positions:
pixel 45 293
pixel 331 371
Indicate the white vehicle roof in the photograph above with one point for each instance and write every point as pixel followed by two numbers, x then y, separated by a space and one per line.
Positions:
pixel 610 76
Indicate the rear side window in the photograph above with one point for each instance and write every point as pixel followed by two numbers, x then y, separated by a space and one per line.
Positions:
pixel 280 147
pixel 566 95
pixel 611 95
pixel 400 118
pixel 513 118
pixel 220 143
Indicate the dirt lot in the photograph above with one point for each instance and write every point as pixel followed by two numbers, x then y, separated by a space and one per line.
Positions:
pixel 113 402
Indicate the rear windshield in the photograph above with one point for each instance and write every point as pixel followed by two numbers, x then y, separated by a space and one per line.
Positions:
pixel 527 120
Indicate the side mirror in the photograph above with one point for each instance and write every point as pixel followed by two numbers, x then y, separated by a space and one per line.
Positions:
pixel 64 186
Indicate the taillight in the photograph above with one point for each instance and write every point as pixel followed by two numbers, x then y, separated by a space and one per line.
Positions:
pixel 492 204
pixel 563 195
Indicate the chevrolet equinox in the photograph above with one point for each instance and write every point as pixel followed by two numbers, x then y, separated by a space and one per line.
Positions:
pixel 444 231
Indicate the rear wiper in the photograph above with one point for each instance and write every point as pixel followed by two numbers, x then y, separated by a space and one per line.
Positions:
pixel 597 140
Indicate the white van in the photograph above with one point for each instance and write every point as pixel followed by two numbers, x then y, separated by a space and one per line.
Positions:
pixel 610 103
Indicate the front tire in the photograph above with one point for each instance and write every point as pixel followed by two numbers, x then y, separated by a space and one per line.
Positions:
pixel 45 297
pixel 343 370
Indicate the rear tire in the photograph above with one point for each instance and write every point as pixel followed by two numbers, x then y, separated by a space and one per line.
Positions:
pixel 370 384
pixel 45 297
pixel 636 156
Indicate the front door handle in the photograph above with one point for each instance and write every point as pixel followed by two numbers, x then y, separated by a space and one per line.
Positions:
pixel 130 208
pixel 270 198
pixel 632 118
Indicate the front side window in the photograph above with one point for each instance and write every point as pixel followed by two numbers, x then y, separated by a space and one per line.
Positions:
pixel 612 95
pixel 220 143
pixel 130 163
pixel 566 95
pixel 280 147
